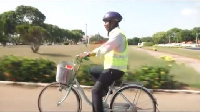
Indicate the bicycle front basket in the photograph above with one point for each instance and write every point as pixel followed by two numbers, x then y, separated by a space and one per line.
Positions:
pixel 64 72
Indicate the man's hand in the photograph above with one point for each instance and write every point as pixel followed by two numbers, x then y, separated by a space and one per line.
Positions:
pixel 83 55
pixel 86 54
pixel 92 54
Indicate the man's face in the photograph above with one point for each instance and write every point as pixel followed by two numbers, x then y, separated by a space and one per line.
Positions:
pixel 107 25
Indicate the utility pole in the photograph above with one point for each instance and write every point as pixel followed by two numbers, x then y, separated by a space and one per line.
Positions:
pixel 87 37
pixel 171 35
pixel 197 34
pixel 169 39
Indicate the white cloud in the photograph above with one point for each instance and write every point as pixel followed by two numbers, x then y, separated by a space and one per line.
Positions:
pixel 189 12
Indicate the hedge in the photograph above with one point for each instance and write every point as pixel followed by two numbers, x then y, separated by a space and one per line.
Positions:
pixel 14 68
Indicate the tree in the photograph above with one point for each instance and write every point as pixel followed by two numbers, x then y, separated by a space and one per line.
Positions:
pixel 146 39
pixel 196 33
pixel 195 30
pixel 30 26
pixel 49 29
pixel 171 34
pixel 55 34
pixel 160 38
pixel 29 15
pixel 7 26
pixel 185 35
pixel 36 37
pixel 134 41
pixel 77 35
pixel 33 35
pixel 97 39
pixel 58 35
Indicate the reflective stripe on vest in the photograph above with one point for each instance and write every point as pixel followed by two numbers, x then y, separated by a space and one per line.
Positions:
pixel 117 60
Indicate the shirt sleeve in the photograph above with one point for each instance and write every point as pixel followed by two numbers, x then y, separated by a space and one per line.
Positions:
pixel 112 44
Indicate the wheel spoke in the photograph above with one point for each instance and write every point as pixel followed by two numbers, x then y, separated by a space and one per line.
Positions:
pixel 134 98
pixel 57 97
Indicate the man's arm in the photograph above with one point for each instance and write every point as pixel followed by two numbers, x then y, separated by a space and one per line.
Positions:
pixel 111 44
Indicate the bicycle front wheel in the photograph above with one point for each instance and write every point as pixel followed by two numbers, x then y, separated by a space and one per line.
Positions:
pixel 133 98
pixel 58 97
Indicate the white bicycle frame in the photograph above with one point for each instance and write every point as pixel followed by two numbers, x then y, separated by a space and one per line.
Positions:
pixel 81 94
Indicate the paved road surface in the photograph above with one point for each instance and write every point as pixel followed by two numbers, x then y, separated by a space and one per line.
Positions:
pixel 24 99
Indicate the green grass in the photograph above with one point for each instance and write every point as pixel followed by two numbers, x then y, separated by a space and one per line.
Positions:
pixel 179 51
pixel 137 58
pixel 55 53
pixel 180 72
pixel 186 75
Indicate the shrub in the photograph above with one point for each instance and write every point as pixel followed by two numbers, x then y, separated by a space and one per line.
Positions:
pixel 27 70
pixel 148 44
pixel 65 43
pixel 14 68
pixel 151 77
pixel 168 58
pixel 155 49
pixel 84 76
pixel 154 77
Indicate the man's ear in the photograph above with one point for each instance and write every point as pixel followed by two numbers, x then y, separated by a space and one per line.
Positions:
pixel 113 23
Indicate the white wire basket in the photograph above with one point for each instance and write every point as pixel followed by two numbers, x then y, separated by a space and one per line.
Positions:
pixel 64 72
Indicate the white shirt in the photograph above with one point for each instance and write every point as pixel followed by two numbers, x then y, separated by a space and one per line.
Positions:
pixel 115 42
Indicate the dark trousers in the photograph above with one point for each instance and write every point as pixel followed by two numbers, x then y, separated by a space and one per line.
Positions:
pixel 102 81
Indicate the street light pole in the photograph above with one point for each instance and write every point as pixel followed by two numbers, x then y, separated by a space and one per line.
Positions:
pixel 170 38
pixel 87 37
pixel 197 34
pixel 85 29
pixel 171 35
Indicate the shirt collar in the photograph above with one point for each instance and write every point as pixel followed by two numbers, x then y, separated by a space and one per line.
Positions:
pixel 113 30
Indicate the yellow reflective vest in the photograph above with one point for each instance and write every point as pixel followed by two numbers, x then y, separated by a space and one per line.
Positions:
pixel 116 60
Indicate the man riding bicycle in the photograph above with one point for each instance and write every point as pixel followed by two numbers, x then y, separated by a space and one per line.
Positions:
pixel 115 52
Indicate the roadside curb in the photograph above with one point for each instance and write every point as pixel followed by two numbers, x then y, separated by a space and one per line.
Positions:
pixel 89 87
pixel 33 84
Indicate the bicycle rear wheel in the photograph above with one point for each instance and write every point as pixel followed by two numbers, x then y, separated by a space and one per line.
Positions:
pixel 133 98
pixel 54 98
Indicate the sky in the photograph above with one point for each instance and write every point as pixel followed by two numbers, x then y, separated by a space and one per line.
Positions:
pixel 141 18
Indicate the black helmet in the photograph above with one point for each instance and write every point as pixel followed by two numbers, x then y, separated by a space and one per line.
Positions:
pixel 112 15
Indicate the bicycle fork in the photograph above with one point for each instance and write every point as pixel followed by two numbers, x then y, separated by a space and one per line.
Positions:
pixel 68 91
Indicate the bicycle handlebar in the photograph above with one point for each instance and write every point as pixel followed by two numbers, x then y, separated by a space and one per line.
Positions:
pixel 79 58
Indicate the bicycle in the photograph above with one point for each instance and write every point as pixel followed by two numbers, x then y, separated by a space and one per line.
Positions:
pixel 71 93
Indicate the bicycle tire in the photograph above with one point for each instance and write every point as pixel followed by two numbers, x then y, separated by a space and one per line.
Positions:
pixel 133 93
pixel 53 93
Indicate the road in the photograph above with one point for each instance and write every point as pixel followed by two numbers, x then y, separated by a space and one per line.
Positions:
pixel 16 98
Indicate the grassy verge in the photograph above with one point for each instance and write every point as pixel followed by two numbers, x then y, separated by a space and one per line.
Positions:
pixel 181 73
pixel 136 59
pixel 178 51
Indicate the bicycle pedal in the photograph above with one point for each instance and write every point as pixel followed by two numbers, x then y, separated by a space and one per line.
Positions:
pixel 111 92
